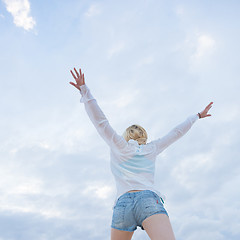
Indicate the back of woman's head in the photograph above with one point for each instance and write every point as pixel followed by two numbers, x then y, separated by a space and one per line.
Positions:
pixel 137 133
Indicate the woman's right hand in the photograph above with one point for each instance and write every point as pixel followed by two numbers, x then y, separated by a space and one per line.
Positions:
pixel 79 78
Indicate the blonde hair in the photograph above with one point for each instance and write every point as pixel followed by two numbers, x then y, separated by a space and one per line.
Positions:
pixel 137 133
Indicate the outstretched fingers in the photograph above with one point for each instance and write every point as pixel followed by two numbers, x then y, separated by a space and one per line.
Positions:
pixel 208 106
pixel 79 78
pixel 83 78
pixel 73 74
pixel 75 85
pixel 77 72
pixel 204 113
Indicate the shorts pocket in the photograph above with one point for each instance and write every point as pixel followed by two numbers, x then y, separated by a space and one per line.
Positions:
pixel 158 199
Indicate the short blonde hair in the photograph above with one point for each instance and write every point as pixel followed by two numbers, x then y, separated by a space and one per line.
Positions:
pixel 137 133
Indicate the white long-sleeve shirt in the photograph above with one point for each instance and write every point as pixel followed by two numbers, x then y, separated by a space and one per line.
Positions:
pixel 132 165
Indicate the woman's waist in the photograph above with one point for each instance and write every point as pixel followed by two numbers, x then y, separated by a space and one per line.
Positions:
pixel 135 190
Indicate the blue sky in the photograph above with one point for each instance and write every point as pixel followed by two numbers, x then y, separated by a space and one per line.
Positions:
pixel 153 63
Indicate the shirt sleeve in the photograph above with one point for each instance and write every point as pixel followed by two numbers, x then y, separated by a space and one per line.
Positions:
pixel 176 133
pixel 99 120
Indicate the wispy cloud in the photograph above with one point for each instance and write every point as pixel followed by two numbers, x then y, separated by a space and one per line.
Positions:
pixel 180 10
pixel 126 98
pixel 205 43
pixel 93 10
pixel 115 49
pixel 20 10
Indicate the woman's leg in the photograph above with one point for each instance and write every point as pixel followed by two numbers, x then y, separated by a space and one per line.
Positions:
pixel 158 227
pixel 120 235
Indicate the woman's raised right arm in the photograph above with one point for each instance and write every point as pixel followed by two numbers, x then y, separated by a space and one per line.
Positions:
pixel 95 113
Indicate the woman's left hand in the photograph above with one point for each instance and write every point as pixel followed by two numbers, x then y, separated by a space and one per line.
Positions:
pixel 204 113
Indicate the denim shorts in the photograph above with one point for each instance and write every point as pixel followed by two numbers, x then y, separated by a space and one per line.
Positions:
pixel 132 208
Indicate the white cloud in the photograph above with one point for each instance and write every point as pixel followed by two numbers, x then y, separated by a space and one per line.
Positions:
pixel 100 191
pixel 180 10
pixel 201 45
pixel 21 206
pixel 205 44
pixel 189 168
pixel 115 49
pixel 146 61
pixel 20 10
pixel 126 98
pixel 232 112
pixel 93 10
pixel 104 192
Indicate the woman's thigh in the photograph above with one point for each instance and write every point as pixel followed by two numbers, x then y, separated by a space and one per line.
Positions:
pixel 120 235
pixel 158 227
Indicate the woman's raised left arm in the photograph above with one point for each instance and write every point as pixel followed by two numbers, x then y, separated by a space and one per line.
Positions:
pixel 180 130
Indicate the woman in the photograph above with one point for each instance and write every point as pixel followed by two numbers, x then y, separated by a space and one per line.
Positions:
pixel 137 203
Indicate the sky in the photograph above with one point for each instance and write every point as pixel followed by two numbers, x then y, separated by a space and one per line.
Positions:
pixel 147 62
